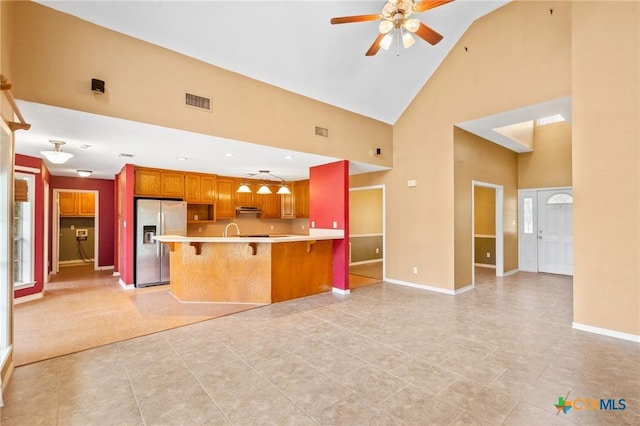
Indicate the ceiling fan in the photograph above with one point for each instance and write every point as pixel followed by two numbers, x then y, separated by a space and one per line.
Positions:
pixel 395 17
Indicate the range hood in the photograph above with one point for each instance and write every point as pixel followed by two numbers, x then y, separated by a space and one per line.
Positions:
pixel 248 209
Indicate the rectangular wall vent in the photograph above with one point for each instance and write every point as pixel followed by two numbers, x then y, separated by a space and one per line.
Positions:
pixel 196 101
pixel 322 132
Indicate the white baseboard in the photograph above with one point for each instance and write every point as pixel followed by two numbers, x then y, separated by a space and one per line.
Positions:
pixel 464 289
pixel 484 265
pixel 105 268
pixel 125 285
pixel 116 273
pixel 28 298
pixel 341 291
pixel 365 262
pixel 74 262
pixel 420 286
pixel 511 272
pixel 606 332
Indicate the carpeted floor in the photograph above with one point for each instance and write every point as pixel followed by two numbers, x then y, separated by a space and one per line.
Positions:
pixel 85 309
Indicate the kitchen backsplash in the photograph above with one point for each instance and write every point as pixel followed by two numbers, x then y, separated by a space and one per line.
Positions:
pixel 250 225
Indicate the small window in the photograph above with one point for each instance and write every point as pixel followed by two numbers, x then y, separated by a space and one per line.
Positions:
pixel 23 235
pixel 560 199
pixel 528 215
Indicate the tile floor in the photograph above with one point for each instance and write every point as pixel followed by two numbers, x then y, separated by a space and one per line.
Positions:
pixel 501 354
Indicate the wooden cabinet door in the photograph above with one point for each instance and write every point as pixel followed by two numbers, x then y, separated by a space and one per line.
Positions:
pixel 271 205
pixel 287 205
pixel 225 190
pixel 147 182
pixel 86 204
pixel 172 184
pixel 302 198
pixel 244 198
pixel 208 189
pixel 192 191
pixel 68 203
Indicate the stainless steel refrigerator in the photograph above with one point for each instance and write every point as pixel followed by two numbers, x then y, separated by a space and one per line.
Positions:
pixel 156 217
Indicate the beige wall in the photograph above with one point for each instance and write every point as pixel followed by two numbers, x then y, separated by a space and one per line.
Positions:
pixel 606 160
pixel 480 160
pixel 549 165
pixel 365 211
pixel 146 83
pixel 484 210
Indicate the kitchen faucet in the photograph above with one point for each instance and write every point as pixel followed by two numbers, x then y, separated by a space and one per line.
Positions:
pixel 226 229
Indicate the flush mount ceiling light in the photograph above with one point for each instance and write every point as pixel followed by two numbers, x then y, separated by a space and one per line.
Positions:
pixel 84 173
pixel 56 156
pixel 264 189
pixel 394 19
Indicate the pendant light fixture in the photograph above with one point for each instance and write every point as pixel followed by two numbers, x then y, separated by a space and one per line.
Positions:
pixel 56 156
pixel 264 189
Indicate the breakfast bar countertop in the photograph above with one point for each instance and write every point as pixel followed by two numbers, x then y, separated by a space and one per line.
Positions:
pixel 274 238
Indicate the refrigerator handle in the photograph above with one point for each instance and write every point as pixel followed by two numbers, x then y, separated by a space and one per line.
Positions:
pixel 161 233
pixel 158 244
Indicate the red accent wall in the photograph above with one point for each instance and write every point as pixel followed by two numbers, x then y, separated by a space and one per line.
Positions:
pixel 126 223
pixel 329 202
pixel 40 178
pixel 106 199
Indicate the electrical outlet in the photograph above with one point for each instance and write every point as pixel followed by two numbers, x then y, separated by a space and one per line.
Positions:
pixel 73 227
pixel 377 250
pixel 303 227
pixel 199 228
pixel 272 227
pixel 313 224
pixel 488 254
pixel 335 224
pixel 415 269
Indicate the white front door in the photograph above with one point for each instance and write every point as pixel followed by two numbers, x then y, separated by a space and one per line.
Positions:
pixel 555 231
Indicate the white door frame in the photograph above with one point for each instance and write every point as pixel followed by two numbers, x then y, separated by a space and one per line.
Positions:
pixel 56 228
pixel 46 236
pixel 384 223
pixel 499 227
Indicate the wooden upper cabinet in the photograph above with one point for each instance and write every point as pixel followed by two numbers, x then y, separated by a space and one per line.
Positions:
pixel 208 188
pixel 302 198
pixel 225 191
pixel 159 183
pixel 172 184
pixel 288 204
pixel 86 204
pixel 247 198
pixel 76 204
pixel 147 182
pixel 192 191
pixel 68 203
pixel 270 203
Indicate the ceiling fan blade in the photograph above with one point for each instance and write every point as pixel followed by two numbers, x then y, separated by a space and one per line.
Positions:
pixel 429 4
pixel 356 18
pixel 428 35
pixel 375 46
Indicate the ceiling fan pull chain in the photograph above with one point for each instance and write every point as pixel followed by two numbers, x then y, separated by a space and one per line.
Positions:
pixel 398 44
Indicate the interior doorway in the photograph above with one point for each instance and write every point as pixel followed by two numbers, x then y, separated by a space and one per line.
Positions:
pixel 487 231
pixel 366 235
pixel 75 225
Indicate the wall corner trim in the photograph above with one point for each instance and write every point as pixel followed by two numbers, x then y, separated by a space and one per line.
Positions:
pixel 125 285
pixel 606 332
pixel 421 287
pixel 28 298
pixel 464 289
pixel 340 291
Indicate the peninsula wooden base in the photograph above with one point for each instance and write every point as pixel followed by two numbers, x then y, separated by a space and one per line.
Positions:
pixel 250 272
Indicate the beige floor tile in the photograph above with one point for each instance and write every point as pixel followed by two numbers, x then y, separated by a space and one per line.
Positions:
pixel 412 406
pixel 484 403
pixel 373 384
pixel 528 415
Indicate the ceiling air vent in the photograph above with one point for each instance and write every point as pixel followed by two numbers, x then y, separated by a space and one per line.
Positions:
pixel 322 132
pixel 196 101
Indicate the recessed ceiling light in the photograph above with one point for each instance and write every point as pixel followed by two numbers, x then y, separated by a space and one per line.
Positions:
pixel 182 158
pixel 549 119
pixel 228 154
pixel 85 146
pixel 289 157
pixel 122 154
pixel 84 173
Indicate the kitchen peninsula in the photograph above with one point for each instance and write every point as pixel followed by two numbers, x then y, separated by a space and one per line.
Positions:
pixel 250 269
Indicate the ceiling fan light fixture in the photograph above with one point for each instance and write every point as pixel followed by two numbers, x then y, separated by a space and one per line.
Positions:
pixel 385 26
pixel 386 41
pixel 56 156
pixel 264 189
pixel 407 40
pixel 412 25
